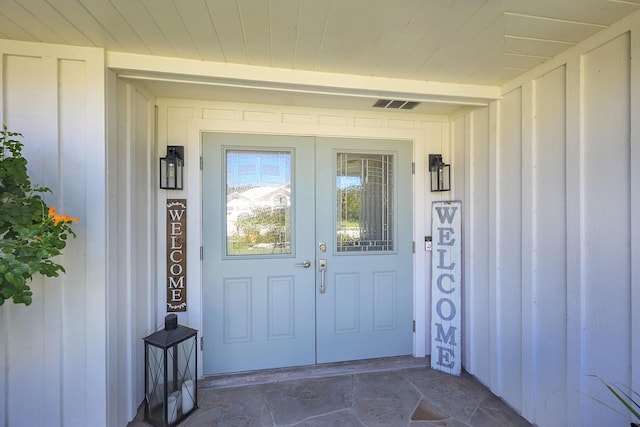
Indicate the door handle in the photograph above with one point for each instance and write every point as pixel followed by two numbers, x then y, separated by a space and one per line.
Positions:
pixel 323 271
pixel 305 264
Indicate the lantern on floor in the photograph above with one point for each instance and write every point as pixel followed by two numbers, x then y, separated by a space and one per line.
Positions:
pixel 170 380
pixel 440 173
pixel 171 168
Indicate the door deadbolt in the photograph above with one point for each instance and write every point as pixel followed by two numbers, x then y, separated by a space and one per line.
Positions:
pixel 322 247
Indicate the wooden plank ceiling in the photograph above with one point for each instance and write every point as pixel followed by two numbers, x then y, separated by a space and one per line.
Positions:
pixel 480 42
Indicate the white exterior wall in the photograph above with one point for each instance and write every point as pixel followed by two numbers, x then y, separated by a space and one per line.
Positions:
pixel 53 353
pixel 180 123
pixel 552 248
pixel 549 178
pixel 132 188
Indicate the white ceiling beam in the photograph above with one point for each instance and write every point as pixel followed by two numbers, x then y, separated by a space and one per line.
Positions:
pixel 247 76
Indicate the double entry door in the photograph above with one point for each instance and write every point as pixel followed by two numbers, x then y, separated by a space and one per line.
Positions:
pixel 307 253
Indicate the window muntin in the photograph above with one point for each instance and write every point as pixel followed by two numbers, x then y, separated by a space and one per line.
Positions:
pixel 364 214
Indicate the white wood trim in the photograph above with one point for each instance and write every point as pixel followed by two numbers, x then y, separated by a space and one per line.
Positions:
pixel 528 264
pixel 494 291
pixel 468 209
pixel 186 70
pixel 96 255
pixel 635 202
pixel 575 334
pixel 53 312
pixel 192 192
pixel 420 293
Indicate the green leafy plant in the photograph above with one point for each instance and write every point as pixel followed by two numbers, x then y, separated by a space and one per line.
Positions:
pixel 626 395
pixel 31 233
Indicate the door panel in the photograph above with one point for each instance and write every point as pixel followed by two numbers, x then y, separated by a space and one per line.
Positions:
pixel 366 310
pixel 276 209
pixel 258 208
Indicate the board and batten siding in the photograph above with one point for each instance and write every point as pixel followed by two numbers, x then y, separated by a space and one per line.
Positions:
pixel 53 352
pixel 133 245
pixel 552 212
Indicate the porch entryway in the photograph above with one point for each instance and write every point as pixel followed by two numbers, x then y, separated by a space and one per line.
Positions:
pixel 396 391
pixel 307 250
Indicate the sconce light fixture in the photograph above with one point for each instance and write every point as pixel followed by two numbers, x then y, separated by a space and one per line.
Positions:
pixel 440 173
pixel 171 168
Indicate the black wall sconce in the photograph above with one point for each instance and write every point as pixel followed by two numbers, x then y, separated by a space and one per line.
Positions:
pixel 171 168
pixel 440 173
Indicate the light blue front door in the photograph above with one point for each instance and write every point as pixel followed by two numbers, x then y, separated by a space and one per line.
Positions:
pixel 364 215
pixel 306 250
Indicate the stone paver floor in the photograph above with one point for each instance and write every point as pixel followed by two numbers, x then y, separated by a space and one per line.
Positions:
pixel 391 392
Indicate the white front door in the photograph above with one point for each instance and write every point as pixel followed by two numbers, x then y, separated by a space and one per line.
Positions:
pixel 306 250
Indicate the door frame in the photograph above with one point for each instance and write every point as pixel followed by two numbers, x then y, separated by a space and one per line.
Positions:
pixel 193 184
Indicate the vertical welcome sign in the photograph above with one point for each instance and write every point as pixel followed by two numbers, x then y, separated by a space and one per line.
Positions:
pixel 446 292
pixel 177 255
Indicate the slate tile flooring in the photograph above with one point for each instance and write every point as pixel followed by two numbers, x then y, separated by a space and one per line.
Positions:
pixel 395 392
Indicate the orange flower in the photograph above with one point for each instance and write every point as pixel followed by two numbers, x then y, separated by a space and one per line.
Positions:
pixel 57 219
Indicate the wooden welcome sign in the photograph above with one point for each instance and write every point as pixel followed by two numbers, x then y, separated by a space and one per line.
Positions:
pixel 446 287
pixel 177 255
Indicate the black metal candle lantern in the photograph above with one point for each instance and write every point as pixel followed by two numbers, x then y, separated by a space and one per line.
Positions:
pixel 440 173
pixel 171 383
pixel 171 168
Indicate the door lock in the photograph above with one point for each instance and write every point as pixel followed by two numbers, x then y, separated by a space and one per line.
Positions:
pixel 323 247
pixel 323 270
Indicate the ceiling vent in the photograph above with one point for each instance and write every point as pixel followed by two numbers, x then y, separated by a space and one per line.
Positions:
pixel 395 104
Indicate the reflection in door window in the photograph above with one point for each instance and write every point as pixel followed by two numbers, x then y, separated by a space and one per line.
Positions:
pixel 365 202
pixel 258 202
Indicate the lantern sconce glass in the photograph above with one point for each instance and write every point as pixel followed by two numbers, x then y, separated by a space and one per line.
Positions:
pixel 171 168
pixel 440 173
